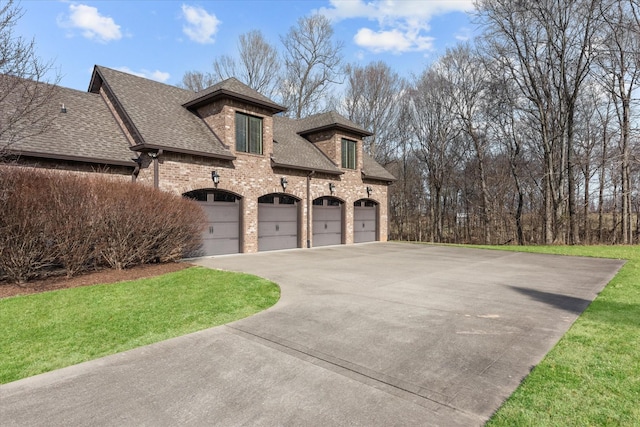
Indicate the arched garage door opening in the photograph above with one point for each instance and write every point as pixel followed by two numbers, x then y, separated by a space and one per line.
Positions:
pixel 365 221
pixel 327 221
pixel 222 233
pixel 277 222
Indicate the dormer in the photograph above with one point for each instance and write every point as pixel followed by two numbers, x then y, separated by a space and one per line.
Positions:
pixel 240 116
pixel 338 138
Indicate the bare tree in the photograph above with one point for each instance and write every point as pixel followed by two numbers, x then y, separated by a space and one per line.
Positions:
pixel 467 83
pixel 258 65
pixel 372 99
pixel 548 47
pixel 196 80
pixel 619 61
pixel 437 144
pixel 312 63
pixel 25 95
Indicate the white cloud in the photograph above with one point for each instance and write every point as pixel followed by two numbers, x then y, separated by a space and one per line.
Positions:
pixel 201 26
pixel 391 41
pixel 157 75
pixel 464 34
pixel 93 25
pixel 402 25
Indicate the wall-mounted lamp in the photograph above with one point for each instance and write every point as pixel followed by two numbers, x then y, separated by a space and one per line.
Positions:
pixel 369 191
pixel 215 177
pixel 332 188
pixel 284 182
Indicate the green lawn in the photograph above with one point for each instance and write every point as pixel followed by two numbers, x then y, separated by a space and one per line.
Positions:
pixel 42 332
pixel 592 376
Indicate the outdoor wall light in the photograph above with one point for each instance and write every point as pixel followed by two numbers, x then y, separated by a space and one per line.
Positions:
pixel 215 177
pixel 284 182
pixel 369 191
pixel 332 188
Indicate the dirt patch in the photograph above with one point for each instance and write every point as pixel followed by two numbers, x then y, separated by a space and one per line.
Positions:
pixel 104 276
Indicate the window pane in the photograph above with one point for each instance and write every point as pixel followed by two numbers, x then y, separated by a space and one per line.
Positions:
pixel 255 135
pixel 241 132
pixel 344 153
pixel 266 199
pixel 287 200
pixel 352 155
pixel 348 154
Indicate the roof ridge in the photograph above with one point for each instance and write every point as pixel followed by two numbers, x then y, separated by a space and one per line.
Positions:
pixel 144 78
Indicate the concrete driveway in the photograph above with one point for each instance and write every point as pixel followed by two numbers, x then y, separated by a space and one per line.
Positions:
pixel 376 334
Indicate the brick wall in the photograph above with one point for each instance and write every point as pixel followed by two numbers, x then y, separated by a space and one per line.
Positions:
pixel 251 176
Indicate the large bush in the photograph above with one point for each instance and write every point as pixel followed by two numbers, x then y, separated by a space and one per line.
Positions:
pixel 51 222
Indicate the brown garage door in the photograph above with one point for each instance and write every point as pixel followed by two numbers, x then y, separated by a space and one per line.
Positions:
pixel 364 221
pixel 327 221
pixel 222 233
pixel 277 222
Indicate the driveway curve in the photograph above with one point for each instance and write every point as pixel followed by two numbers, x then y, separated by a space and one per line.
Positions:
pixel 371 334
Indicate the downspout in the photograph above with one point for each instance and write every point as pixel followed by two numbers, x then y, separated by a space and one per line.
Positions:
pixel 156 168
pixel 136 170
pixel 309 208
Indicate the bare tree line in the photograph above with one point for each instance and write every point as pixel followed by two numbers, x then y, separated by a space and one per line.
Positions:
pixel 526 136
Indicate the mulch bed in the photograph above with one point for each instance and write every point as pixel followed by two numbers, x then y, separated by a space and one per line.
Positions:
pixel 88 279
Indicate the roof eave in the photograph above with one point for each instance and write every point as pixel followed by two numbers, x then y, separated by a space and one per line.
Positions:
pixel 145 148
pixel 379 178
pixel 305 168
pixel 80 159
pixel 337 126
pixel 224 93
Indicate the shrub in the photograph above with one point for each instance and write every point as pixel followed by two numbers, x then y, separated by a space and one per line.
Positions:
pixel 52 221
pixel 26 230
pixel 142 225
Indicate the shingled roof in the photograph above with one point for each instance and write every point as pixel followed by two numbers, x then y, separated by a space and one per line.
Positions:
pixel 292 150
pixel 329 120
pixel 373 170
pixel 156 113
pixel 86 132
pixel 232 88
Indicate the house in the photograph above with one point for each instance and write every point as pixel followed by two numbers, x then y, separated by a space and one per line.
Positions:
pixel 265 181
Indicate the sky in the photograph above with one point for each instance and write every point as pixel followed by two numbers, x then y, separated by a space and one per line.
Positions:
pixel 162 40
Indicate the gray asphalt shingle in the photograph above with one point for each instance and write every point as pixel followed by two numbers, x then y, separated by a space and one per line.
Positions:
pixel 87 131
pixel 291 149
pixel 156 111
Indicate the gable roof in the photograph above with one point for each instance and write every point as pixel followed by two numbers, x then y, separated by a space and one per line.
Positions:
pixel 234 89
pixel 329 120
pixel 374 170
pixel 292 150
pixel 155 112
pixel 73 134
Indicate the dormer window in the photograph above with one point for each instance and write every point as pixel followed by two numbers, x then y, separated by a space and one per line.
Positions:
pixel 248 133
pixel 348 154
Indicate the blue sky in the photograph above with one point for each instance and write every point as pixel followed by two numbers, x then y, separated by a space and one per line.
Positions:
pixel 164 39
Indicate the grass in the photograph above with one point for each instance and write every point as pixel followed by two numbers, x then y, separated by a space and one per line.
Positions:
pixel 51 330
pixel 592 376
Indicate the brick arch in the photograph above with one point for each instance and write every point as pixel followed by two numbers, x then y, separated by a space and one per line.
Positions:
pixel 212 190
pixel 329 196
pixel 280 193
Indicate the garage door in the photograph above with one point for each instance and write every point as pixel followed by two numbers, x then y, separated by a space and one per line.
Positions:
pixel 277 222
pixel 327 221
pixel 364 221
pixel 222 233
